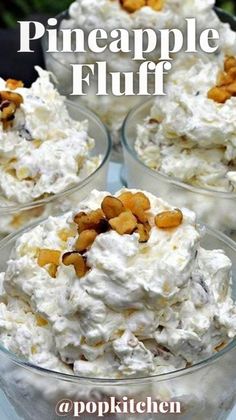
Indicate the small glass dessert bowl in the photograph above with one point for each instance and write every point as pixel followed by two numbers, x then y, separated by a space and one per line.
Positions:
pixel 130 15
pixel 80 323
pixel 214 208
pixel 52 154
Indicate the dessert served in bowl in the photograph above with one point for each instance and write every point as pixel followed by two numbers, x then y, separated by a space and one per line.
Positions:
pixel 128 14
pixel 124 295
pixel 46 151
pixel 188 139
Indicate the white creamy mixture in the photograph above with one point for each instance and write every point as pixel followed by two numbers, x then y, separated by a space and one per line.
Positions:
pixel 45 151
pixel 188 136
pixel 109 14
pixel 141 309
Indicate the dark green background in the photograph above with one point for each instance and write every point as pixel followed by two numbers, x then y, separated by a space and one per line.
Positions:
pixel 12 10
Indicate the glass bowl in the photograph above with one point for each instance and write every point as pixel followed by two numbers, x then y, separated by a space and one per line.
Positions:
pixel 206 390
pixel 216 209
pixel 111 109
pixel 16 216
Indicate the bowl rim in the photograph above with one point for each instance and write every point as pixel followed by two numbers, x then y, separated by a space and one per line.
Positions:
pixel 12 208
pixel 157 174
pixel 59 17
pixel 123 381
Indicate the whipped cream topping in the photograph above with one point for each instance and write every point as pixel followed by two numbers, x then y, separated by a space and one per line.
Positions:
pixel 45 151
pixel 188 136
pixel 141 308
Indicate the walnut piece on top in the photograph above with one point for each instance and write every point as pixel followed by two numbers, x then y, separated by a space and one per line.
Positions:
pixel 226 83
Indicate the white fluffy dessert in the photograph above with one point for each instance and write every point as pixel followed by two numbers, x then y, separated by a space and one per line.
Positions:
pixel 188 135
pixel 43 150
pixel 125 305
pixel 113 14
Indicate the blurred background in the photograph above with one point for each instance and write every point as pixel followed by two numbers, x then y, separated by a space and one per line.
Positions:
pixel 12 10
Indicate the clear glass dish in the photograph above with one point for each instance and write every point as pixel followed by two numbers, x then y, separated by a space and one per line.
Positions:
pixel 206 390
pixel 216 209
pixel 111 109
pixel 14 217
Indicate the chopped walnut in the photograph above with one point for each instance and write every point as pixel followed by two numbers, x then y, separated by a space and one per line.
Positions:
pixel 232 73
pixel 93 220
pixel 224 79
pixel 126 198
pixel 52 270
pixel 132 6
pixel 14 97
pixel 232 89
pixel 7 113
pixel 138 203
pixel 229 63
pixel 219 95
pixel 9 102
pixel 85 240
pixel 112 207
pixel 169 219
pixel 143 231
pixel 75 259
pixel 226 83
pixel 48 256
pixel 125 223
pixel 14 84
pixel 156 4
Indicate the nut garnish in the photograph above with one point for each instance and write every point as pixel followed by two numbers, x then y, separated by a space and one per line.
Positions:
pixel 85 240
pixel 232 88
pixel 93 220
pixel 132 6
pixel 143 231
pixel 48 256
pixel 169 219
pixel 52 270
pixel 7 113
pixel 75 259
pixel 9 102
pixel 131 216
pixel 229 63
pixel 126 198
pixel 138 203
pixel 14 84
pixel 16 98
pixel 156 4
pixel 112 207
pixel 219 94
pixel 226 83
pixel 125 223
